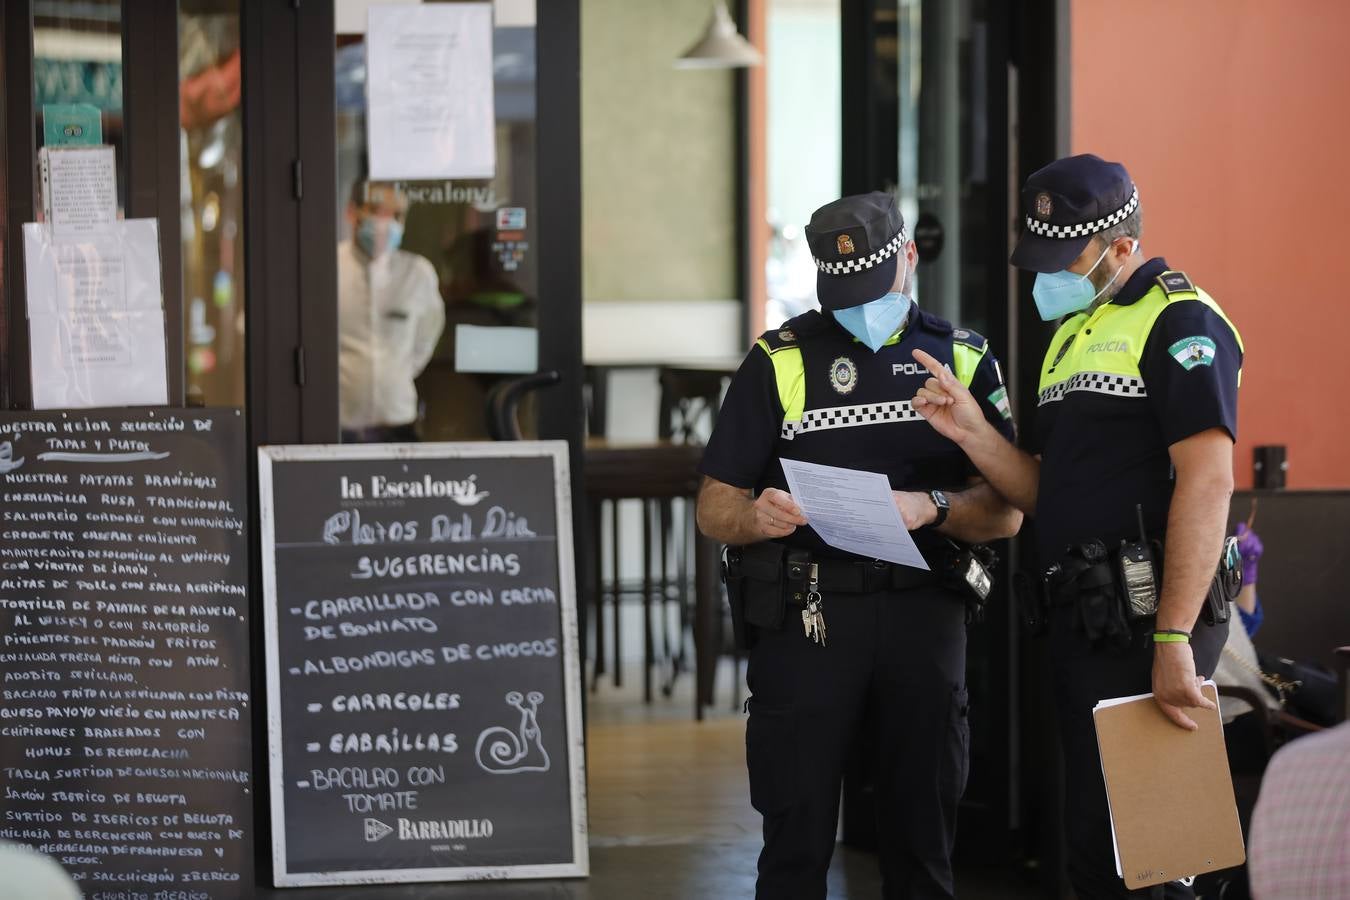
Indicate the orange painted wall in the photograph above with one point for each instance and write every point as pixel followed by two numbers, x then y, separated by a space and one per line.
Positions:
pixel 1231 117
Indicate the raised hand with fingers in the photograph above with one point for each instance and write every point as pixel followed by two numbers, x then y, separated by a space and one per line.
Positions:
pixel 946 403
pixel 775 515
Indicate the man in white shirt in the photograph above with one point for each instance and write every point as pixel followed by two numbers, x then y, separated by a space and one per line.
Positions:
pixel 390 316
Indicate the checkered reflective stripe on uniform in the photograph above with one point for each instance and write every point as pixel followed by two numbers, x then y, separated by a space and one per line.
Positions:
pixel 1098 383
pixel 1045 229
pixel 851 417
pixel 849 266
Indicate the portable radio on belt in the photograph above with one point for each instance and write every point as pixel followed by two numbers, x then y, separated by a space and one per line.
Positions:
pixel 1137 573
pixel 976 576
pixel 965 568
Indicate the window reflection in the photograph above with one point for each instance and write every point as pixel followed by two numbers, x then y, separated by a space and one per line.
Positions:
pixel 77 59
pixel 803 151
pixel 482 258
pixel 212 201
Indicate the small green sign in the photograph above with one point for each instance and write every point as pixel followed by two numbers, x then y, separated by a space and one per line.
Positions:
pixel 71 125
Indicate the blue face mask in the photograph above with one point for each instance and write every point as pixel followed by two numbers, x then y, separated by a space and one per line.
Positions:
pixel 368 235
pixel 874 323
pixel 1059 294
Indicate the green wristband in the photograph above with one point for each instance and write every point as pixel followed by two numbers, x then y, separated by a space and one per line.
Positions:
pixel 1171 637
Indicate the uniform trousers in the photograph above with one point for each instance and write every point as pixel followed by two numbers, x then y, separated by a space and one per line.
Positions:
pixel 895 660
pixel 1084 674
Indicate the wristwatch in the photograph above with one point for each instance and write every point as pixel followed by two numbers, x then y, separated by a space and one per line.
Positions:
pixel 943 507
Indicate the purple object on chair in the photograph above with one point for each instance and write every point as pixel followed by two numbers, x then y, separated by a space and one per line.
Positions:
pixel 1251 548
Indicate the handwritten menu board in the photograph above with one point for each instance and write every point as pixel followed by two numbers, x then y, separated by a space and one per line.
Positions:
pixel 124 659
pixel 423 681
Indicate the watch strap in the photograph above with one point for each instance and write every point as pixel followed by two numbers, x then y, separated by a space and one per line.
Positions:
pixel 943 508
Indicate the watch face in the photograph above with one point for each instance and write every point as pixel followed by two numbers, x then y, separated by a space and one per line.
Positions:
pixel 940 499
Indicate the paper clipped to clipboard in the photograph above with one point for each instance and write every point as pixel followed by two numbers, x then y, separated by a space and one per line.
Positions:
pixel 1170 793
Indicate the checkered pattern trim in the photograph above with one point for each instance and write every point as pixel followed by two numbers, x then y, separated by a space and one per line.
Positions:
pixel 851 417
pixel 1097 383
pixel 849 266
pixel 1045 229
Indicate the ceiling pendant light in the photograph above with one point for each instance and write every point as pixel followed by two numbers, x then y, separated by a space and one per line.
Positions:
pixel 721 46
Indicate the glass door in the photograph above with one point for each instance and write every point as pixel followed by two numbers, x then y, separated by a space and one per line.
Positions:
pixel 925 99
pixel 438 277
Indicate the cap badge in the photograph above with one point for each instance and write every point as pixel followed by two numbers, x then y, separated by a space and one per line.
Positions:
pixel 843 375
pixel 845 245
pixel 1043 205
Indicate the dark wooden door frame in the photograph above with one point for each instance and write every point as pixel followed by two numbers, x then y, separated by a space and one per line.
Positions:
pixel 290 221
pixel 18 189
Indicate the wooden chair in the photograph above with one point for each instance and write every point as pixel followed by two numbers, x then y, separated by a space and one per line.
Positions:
pixel 503 403
pixel 689 402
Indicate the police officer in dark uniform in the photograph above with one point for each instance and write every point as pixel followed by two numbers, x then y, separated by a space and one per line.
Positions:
pixel 1128 477
pixel 888 647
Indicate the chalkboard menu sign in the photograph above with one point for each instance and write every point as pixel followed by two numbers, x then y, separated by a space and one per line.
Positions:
pixel 124 660
pixel 423 682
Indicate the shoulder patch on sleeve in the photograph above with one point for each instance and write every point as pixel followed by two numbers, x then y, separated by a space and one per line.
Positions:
pixel 934 323
pixel 1197 350
pixel 1175 283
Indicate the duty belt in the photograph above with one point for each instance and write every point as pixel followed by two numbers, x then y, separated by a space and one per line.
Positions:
pixel 766 562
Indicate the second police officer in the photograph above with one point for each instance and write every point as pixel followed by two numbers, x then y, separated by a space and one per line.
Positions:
pixel 881 646
pixel 1134 443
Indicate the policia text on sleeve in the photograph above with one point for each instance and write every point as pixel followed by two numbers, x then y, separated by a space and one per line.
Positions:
pixel 1131 479
pixel 836 640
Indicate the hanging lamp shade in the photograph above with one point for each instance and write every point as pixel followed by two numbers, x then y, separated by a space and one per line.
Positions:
pixel 721 46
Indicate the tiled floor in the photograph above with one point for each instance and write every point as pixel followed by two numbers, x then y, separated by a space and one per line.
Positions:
pixel 670 815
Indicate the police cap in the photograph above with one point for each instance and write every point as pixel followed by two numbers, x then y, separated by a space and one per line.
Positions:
pixel 856 242
pixel 1065 204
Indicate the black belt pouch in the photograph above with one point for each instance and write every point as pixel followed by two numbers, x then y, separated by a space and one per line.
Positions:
pixel 765 605
pixel 733 576
pixel 765 599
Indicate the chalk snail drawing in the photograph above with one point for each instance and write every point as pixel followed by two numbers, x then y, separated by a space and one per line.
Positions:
pixel 501 751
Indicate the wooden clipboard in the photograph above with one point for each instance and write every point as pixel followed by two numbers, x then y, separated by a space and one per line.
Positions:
pixel 1171 795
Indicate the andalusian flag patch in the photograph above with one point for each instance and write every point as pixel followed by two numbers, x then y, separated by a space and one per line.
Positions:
pixel 1000 400
pixel 1193 351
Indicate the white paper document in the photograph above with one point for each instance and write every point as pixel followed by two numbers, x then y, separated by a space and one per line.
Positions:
pixel 429 92
pixel 96 317
pixel 852 511
pixel 79 190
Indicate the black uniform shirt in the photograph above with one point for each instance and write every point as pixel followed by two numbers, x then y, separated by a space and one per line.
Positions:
pixel 1104 454
pixel 745 447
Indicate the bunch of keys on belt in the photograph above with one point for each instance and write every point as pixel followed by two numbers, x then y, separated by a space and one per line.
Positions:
pixel 813 616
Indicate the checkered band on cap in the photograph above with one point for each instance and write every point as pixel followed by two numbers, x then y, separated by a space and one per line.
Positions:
pixel 849 266
pixel 852 417
pixel 1097 383
pixel 1045 229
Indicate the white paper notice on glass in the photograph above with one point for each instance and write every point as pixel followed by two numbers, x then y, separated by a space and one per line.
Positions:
pixel 852 511
pixel 429 92
pixel 96 317
pixel 79 190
